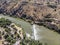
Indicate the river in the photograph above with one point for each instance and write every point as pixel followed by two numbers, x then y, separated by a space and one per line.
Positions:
pixel 40 33
pixel 35 32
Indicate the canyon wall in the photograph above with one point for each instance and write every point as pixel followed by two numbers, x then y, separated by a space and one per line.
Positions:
pixel 47 14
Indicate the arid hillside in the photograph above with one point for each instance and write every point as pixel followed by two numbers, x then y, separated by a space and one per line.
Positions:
pixel 46 13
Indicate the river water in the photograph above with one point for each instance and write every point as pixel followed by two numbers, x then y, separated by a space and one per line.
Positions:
pixel 34 32
pixel 37 32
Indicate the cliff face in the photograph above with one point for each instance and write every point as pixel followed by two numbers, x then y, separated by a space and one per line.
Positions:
pixel 46 14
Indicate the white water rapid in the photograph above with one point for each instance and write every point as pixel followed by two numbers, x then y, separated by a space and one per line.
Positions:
pixel 35 32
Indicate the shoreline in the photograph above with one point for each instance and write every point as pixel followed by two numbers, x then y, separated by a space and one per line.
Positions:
pixel 48 25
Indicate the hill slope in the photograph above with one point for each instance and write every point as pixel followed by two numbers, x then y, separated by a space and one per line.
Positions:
pixel 46 14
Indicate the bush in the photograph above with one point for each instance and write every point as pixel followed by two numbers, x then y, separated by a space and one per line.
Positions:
pixel 7 30
pixel 13 41
pixel 6 36
pixel 9 39
pixel 4 22
pixel 52 6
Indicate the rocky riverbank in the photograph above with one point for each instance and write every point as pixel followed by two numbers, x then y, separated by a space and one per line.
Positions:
pixel 46 14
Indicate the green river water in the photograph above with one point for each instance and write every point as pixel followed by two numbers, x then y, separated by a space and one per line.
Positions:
pixel 41 33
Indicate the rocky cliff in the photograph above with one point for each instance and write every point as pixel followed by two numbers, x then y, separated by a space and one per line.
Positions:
pixel 47 14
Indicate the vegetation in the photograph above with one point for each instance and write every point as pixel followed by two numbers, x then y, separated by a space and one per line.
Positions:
pixel 30 42
pixel 12 38
pixel 4 22
pixel 52 6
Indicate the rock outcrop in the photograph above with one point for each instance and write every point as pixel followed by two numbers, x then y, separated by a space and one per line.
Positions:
pixel 46 14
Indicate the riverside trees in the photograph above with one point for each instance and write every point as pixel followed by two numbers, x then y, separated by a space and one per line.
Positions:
pixel 4 22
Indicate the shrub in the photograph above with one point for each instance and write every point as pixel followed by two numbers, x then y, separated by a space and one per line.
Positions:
pixel 52 6
pixel 4 22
